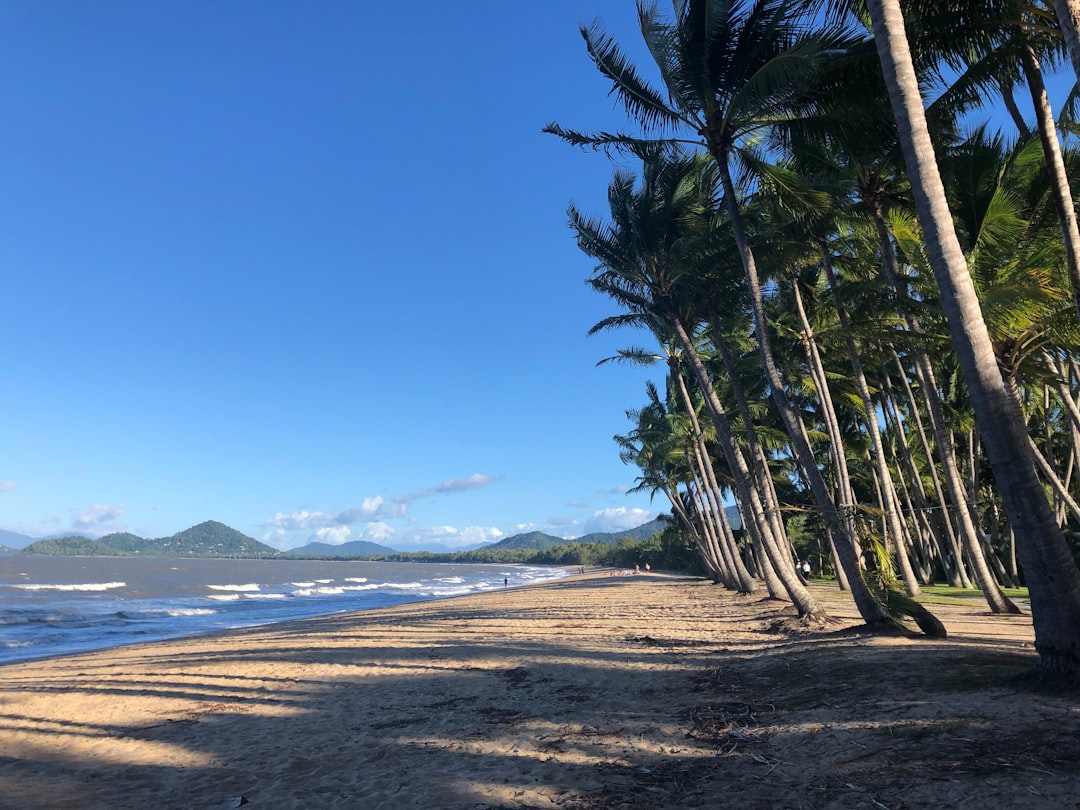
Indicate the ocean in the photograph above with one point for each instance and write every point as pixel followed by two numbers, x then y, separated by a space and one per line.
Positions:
pixel 53 606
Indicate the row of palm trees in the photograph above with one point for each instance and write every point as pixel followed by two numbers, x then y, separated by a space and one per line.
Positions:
pixel 867 317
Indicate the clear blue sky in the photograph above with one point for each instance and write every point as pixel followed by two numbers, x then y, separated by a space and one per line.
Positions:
pixel 303 268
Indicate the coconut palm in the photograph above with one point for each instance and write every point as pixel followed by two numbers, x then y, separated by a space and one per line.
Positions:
pixel 732 70
pixel 650 247
pixel 1053 579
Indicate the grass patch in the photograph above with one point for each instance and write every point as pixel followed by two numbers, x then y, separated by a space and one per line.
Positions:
pixel 949 592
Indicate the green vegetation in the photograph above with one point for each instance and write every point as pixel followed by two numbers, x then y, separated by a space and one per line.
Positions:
pixel 866 307
pixel 209 539
pixel 670 549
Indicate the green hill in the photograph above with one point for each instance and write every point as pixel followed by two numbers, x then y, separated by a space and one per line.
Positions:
pixel 539 540
pixel 209 539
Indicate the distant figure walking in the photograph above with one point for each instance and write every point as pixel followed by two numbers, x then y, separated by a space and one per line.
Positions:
pixel 506 582
pixel 647 568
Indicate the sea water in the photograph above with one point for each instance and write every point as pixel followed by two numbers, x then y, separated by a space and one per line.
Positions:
pixel 57 605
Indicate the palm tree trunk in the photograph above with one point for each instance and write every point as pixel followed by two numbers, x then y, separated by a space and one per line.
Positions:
pixel 873 612
pixel 1055 169
pixel 809 608
pixel 745 583
pixel 758 462
pixel 892 520
pixel 1068 14
pixel 1052 576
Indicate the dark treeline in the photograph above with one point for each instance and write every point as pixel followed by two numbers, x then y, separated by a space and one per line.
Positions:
pixel 670 550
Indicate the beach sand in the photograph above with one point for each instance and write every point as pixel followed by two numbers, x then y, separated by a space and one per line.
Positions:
pixel 593 692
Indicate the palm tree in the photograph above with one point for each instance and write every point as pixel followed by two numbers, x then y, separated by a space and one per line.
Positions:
pixel 1053 579
pixel 732 70
pixel 646 253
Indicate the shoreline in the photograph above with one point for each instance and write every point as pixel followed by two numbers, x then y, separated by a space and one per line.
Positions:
pixel 588 691
pixel 83 616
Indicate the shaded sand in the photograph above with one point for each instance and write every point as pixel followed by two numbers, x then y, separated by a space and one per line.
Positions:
pixel 593 692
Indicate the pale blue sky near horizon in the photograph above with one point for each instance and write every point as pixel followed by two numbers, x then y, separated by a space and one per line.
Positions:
pixel 303 268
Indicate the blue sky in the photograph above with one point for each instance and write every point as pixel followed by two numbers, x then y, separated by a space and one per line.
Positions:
pixel 304 268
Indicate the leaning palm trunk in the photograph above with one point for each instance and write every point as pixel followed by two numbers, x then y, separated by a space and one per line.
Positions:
pixel 1068 14
pixel 704 554
pixel 845 492
pixel 1055 482
pixel 804 602
pixel 743 580
pixel 936 528
pixel 889 499
pixel 1055 169
pixel 967 533
pixel 708 525
pixel 758 462
pixel 1052 576
pixel 873 612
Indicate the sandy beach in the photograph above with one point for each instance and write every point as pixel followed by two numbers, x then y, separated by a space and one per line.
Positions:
pixel 594 692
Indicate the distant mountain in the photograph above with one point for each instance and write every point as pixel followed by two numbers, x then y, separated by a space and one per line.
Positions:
pixel 540 540
pixel 354 548
pixel 209 539
pixel 530 540
pixel 5 551
pixel 14 540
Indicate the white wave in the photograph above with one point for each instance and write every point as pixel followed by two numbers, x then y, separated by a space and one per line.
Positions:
pixel 359 587
pixel 324 581
pixel 404 586
pixel 451 592
pixel 263 595
pixel 451 580
pixel 251 586
pixel 225 597
pixel 356 579
pixel 84 586
pixel 302 584
pixel 319 592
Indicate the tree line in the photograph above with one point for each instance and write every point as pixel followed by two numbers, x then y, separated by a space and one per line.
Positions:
pixel 865 296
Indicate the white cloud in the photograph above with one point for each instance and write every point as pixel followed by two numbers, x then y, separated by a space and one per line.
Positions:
pixel 617 520
pixel 334 535
pixel 7 486
pixel 447 538
pixel 373 512
pixel 98 516
pixel 377 532
pixel 474 481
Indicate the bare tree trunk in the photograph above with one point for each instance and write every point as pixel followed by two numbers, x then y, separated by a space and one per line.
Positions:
pixel 1068 14
pixel 1052 576
pixel 889 499
pixel 803 600
pixel 1055 169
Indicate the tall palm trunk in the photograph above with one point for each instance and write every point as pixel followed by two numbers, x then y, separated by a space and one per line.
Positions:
pixel 803 600
pixel 872 611
pixel 740 574
pixel 1068 14
pixel 1055 169
pixel 759 464
pixel 1052 576
pixel 889 499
